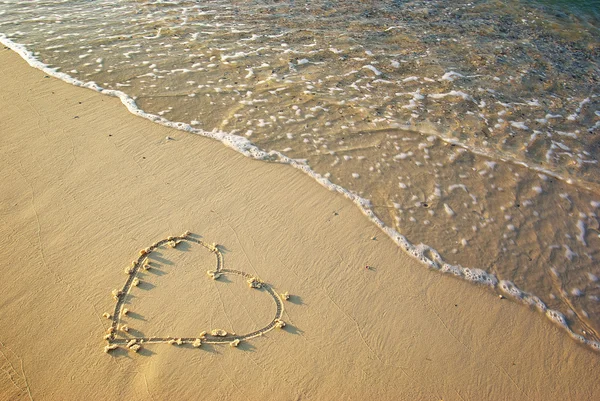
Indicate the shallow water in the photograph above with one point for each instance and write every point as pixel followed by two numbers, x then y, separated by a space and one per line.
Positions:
pixel 471 127
pixel 584 9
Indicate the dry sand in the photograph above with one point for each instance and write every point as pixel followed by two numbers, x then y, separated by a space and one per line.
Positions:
pixel 85 185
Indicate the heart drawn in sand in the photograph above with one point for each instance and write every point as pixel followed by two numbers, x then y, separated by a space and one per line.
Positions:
pixel 216 336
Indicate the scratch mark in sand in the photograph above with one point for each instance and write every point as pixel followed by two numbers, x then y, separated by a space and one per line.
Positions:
pixel 147 389
pixel 363 338
pixel 12 372
pixel 26 383
pixel 223 306
pixel 500 368
pixel 57 277
pixel 238 240
pixel 231 380
pixel 37 218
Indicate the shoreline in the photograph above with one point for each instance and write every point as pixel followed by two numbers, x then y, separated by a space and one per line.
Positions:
pixel 87 184
pixel 427 256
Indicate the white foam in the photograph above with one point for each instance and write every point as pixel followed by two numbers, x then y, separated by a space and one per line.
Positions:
pixel 569 254
pixel 410 79
pixel 510 289
pixel 402 156
pixel 519 125
pixel 234 56
pixel 576 292
pixel 452 269
pixel 534 301
pixel 479 276
pixel 491 164
pixel 451 76
pixel 449 210
pixel 578 337
pixel 457 186
pixel 463 95
pixel 558 318
pixel 568 134
pixel 375 70
pixel 581 235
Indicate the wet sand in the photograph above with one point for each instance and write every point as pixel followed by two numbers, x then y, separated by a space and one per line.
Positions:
pixel 86 185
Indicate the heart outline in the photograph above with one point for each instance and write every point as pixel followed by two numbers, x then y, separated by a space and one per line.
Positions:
pixel 208 338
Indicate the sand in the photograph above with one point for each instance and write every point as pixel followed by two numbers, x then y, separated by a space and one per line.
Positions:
pixel 85 185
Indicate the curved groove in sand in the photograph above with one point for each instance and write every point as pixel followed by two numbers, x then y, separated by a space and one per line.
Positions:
pixel 208 338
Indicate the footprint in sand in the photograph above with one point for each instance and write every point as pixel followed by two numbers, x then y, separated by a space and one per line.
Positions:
pixel 215 336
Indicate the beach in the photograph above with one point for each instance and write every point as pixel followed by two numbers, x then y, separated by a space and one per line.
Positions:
pixel 87 185
pixel 465 131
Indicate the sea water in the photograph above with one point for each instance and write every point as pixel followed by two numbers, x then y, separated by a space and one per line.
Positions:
pixel 468 131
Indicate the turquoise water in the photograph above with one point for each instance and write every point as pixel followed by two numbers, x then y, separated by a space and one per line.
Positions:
pixel 580 8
